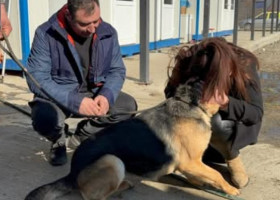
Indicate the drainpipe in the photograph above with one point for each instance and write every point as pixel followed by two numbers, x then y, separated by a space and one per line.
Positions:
pixel 264 19
pixel 206 18
pixel 235 28
pixel 155 24
pixel 197 19
pixel 272 17
pixel 24 28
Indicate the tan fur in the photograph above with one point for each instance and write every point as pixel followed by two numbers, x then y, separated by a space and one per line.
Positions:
pixel 191 140
pixel 104 177
pixel 238 173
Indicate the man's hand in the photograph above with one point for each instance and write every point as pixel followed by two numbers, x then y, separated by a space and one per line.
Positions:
pixel 97 106
pixel 89 107
pixel 103 104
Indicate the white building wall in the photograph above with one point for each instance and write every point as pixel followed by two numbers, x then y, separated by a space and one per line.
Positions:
pixel 15 36
pixel 55 5
pixel 106 10
pixel 214 16
pixel 176 19
pixel 37 16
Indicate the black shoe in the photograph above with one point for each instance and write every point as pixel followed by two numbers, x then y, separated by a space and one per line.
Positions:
pixel 58 154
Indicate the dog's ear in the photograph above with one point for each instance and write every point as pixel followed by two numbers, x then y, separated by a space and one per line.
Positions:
pixel 183 93
pixel 196 89
pixel 190 92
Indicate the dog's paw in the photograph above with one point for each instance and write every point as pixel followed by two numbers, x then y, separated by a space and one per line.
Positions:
pixel 233 191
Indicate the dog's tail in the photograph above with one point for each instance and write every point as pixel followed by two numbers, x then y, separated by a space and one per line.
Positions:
pixel 52 190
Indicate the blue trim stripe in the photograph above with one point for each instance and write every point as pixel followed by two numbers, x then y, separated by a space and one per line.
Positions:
pixel 197 20
pixel 24 25
pixel 11 65
pixel 129 50
pixel 199 37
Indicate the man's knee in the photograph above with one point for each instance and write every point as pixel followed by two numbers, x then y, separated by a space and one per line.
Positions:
pixel 46 120
pixel 127 101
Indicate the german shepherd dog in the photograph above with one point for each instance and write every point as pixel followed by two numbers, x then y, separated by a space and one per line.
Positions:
pixel 172 136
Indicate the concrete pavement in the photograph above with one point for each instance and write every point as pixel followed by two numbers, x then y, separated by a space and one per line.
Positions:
pixel 23 154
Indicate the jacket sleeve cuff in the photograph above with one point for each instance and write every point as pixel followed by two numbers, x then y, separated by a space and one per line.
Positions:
pixel 75 100
pixel 235 108
pixel 108 94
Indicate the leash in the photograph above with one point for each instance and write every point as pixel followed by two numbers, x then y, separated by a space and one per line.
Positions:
pixel 208 190
pixel 11 53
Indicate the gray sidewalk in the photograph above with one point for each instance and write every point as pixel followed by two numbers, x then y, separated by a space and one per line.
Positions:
pixel 23 154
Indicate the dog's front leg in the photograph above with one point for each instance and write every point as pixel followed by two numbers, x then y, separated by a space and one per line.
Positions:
pixel 201 173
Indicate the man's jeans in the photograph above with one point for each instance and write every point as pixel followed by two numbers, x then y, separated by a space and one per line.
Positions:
pixel 48 118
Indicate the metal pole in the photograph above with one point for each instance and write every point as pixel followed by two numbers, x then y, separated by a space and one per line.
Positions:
pixel 253 20
pixel 277 16
pixel 155 27
pixel 264 18
pixel 272 16
pixel 144 41
pixel 206 18
pixel 235 28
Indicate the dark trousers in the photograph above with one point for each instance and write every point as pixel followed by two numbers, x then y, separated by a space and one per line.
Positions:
pixel 220 149
pixel 48 119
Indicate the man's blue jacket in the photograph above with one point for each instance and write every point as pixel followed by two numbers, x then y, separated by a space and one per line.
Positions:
pixel 55 63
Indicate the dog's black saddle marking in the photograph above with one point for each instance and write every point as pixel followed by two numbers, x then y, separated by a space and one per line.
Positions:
pixel 132 141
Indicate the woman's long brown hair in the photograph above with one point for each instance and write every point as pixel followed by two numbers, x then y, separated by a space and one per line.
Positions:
pixel 220 64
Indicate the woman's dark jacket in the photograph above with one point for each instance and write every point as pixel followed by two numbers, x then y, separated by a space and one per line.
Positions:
pixel 247 115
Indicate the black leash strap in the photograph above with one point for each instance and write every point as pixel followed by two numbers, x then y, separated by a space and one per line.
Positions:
pixel 10 52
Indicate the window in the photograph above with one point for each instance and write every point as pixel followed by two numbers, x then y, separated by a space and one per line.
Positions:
pixel 226 4
pixel 124 0
pixel 168 2
pixel 232 5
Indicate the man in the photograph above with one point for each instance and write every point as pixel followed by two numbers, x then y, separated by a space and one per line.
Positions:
pixel 76 59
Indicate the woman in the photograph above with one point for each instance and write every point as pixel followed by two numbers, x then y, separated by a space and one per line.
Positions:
pixel 230 78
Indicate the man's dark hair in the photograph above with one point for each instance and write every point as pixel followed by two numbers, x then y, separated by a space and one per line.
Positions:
pixel 88 5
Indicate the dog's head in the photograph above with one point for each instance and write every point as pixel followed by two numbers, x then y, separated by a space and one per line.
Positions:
pixel 186 97
pixel 189 94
